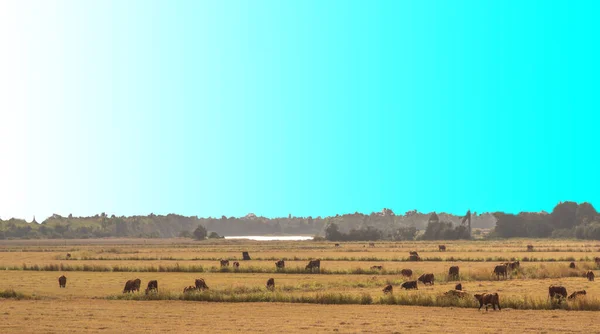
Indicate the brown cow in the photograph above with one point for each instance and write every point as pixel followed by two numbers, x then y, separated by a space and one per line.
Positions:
pixel 271 284
pixel 530 248
pixel 62 281
pixel 456 293
pixel 280 264
pixel 152 286
pixel 136 284
pixel 236 264
pixel 68 256
pixel 312 264
pixel 513 265
pixel 201 284
pixel 337 245
pixel 500 270
pixel 224 263
pixel 388 289
pixel 371 244
pixel 572 265
pixel 442 248
pixel 426 279
pixel 376 267
pixel 597 260
pixel 406 272
pixel 590 275
pixel 557 291
pixel 414 256
pixel 577 294
pixel 458 287
pixel 189 289
pixel 408 285
pixel 129 286
pixel 453 272
pixel 487 299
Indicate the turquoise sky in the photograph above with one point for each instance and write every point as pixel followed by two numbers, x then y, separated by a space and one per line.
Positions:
pixel 315 108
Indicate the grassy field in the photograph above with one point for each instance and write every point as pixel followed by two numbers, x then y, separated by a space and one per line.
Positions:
pixel 97 271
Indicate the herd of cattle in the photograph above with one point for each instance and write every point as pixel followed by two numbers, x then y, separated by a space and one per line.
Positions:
pixel 502 270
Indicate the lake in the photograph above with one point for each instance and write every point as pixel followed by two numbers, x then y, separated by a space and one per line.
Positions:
pixel 273 238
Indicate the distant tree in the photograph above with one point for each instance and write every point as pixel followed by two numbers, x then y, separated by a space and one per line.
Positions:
pixel 564 215
pixel 214 235
pixel 332 232
pixel 200 233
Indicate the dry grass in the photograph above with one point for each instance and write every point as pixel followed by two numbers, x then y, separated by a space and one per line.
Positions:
pixel 101 316
pixel 99 269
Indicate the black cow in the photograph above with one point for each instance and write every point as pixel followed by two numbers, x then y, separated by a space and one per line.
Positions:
pixel 500 270
pixel 409 285
pixel 557 291
pixel 152 286
pixel 280 264
pixel 62 281
pixel 453 272
pixel 426 279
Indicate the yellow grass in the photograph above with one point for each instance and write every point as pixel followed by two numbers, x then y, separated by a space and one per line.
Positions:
pixel 101 316
pixel 85 306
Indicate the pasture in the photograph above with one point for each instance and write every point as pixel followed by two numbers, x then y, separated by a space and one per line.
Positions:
pixel 237 299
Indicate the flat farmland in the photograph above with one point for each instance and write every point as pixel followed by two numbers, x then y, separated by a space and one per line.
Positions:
pixel 237 299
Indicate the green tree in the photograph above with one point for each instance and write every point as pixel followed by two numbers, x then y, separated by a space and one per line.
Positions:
pixel 200 233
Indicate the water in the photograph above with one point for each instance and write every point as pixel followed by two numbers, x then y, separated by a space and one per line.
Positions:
pixel 273 238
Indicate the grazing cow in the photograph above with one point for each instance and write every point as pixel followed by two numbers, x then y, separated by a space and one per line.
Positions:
pixel 62 281
pixel 388 289
pixel 597 260
pixel 224 263
pixel 152 286
pixel 488 299
pixel 271 284
pixel 236 264
pixel 376 267
pixel 406 272
pixel 453 272
pixel 456 293
pixel 200 284
pixel 408 285
pixel 577 293
pixel 189 289
pixel 572 265
pixel 442 248
pixel 500 270
pixel 530 248
pixel 413 253
pixel 557 291
pixel 426 279
pixel 371 244
pixel 280 264
pixel 337 245
pixel 458 287
pixel 312 264
pixel 590 275
pixel 245 256
pixel 129 286
pixel 68 256
pixel 512 265
pixel 136 284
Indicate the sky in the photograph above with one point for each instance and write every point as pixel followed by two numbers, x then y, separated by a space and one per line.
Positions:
pixel 309 108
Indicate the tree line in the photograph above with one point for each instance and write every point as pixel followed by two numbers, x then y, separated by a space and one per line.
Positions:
pixel 567 220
